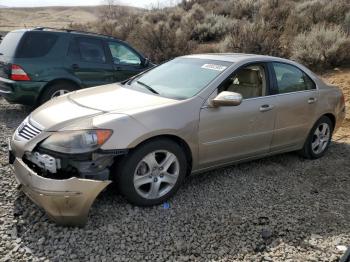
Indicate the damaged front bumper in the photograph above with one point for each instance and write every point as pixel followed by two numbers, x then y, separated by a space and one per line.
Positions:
pixel 67 202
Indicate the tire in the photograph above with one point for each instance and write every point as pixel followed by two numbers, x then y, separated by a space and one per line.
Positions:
pixel 55 90
pixel 138 176
pixel 310 149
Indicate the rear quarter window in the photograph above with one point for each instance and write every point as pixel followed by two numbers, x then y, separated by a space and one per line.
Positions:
pixel 9 43
pixel 36 44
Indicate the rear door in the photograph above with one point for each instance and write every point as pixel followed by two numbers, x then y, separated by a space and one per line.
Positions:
pixel 126 61
pixel 87 59
pixel 296 102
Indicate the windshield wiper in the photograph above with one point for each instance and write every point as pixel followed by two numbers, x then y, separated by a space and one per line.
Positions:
pixel 148 87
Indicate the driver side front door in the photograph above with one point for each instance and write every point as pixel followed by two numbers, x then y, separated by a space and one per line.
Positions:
pixel 234 133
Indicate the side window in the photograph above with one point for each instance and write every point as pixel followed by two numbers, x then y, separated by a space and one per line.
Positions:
pixel 249 81
pixel 122 55
pixel 291 79
pixel 87 50
pixel 36 44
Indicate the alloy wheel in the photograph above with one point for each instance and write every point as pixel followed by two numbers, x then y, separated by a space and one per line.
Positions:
pixel 59 93
pixel 156 174
pixel 321 138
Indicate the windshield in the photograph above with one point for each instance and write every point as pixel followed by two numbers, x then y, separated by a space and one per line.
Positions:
pixel 180 78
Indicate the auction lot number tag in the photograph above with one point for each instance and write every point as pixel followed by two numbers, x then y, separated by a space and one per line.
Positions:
pixel 214 67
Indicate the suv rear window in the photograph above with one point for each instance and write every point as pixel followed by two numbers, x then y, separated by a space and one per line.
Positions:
pixel 36 44
pixel 9 43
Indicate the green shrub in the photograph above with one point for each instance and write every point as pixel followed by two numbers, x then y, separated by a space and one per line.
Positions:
pixel 256 38
pixel 213 28
pixel 322 47
pixel 160 42
pixel 346 23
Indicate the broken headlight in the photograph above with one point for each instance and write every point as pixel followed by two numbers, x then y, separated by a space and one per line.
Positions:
pixel 76 142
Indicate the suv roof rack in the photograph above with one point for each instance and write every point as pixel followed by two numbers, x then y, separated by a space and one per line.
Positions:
pixel 72 31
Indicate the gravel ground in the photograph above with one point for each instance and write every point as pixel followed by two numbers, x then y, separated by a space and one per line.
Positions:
pixel 282 208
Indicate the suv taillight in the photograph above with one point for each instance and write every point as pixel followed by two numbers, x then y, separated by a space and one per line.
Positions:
pixel 18 74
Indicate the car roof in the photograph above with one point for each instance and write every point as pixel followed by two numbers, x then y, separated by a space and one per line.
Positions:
pixel 237 57
pixel 65 31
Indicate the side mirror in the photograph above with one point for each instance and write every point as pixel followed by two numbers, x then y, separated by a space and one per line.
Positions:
pixel 227 98
pixel 145 62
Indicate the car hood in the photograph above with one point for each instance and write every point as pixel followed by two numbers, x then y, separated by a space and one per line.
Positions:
pixel 87 103
pixel 116 98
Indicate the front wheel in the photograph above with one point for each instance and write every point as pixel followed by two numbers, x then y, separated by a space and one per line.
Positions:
pixel 152 173
pixel 319 139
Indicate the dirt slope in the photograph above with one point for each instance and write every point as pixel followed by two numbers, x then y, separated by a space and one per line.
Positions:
pixel 341 78
pixel 14 18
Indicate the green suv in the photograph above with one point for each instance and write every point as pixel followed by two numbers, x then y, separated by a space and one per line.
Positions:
pixel 39 64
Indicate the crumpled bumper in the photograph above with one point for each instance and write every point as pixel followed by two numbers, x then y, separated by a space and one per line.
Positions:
pixel 67 201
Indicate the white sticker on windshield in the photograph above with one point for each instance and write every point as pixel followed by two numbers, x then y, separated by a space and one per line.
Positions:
pixel 214 67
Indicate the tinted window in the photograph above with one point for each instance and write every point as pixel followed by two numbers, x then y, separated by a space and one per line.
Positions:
pixel 73 50
pixel 123 55
pixel 181 78
pixel 291 79
pixel 9 43
pixel 36 44
pixel 249 81
pixel 91 50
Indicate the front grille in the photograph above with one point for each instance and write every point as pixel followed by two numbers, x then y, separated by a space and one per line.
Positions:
pixel 28 131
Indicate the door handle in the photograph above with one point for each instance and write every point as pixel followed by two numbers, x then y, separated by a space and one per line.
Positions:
pixel 75 66
pixel 117 68
pixel 312 100
pixel 265 108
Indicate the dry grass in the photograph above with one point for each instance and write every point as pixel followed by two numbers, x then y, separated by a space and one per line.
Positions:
pixel 341 78
pixel 59 17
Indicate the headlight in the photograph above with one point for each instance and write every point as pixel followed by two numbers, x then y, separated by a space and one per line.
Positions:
pixel 76 142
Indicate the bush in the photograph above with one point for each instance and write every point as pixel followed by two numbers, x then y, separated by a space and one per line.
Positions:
pixel 244 9
pixel 346 23
pixel 160 42
pixel 213 28
pixel 256 38
pixel 322 47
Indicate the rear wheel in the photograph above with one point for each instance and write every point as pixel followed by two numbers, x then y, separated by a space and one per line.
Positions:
pixel 55 90
pixel 319 139
pixel 152 173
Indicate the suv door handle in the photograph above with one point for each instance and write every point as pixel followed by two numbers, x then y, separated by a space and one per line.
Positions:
pixel 75 66
pixel 265 108
pixel 312 100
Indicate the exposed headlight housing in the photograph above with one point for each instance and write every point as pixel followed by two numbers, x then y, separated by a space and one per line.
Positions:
pixel 76 142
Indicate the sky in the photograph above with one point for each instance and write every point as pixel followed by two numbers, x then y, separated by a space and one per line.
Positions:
pixel 35 3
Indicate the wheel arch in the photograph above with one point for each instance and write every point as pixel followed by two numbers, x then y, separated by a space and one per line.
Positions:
pixel 184 145
pixel 331 117
pixel 57 81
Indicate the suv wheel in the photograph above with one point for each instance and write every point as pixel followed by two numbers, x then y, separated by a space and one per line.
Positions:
pixel 55 90
pixel 319 139
pixel 151 173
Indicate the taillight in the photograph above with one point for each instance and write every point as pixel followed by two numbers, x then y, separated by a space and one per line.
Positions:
pixel 18 74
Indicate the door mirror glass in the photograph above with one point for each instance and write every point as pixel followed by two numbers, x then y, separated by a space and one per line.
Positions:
pixel 227 98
